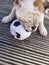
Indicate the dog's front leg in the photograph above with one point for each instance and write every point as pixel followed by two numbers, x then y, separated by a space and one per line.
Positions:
pixel 42 28
pixel 10 16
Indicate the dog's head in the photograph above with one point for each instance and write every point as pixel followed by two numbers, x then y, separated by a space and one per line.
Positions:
pixel 31 22
pixel 28 5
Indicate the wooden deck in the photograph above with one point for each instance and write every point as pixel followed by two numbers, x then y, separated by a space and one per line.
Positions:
pixel 32 51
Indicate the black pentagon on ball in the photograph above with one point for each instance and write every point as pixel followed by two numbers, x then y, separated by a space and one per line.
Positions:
pixel 17 35
pixel 17 23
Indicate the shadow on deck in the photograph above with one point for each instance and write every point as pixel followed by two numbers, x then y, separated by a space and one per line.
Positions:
pixel 32 51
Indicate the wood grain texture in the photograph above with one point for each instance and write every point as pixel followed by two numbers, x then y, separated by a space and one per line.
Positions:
pixel 32 51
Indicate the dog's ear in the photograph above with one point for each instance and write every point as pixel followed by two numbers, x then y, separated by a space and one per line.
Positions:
pixel 39 4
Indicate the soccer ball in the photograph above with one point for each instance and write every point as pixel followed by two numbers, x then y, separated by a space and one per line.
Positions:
pixel 18 31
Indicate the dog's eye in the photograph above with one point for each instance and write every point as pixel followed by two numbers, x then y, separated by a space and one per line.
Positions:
pixel 16 1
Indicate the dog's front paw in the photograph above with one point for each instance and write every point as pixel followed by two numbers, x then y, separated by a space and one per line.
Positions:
pixel 43 31
pixel 5 19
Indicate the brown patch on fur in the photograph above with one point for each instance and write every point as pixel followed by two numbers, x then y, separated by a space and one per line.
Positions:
pixel 39 4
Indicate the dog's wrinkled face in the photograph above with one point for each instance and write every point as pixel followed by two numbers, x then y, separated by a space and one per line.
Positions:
pixel 33 22
pixel 27 7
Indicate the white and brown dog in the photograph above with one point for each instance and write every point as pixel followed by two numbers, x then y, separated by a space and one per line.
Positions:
pixel 30 13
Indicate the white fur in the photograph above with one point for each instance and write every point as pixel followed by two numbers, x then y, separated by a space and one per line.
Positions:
pixel 27 7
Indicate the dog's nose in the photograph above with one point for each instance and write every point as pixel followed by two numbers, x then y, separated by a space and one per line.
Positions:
pixel 33 27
